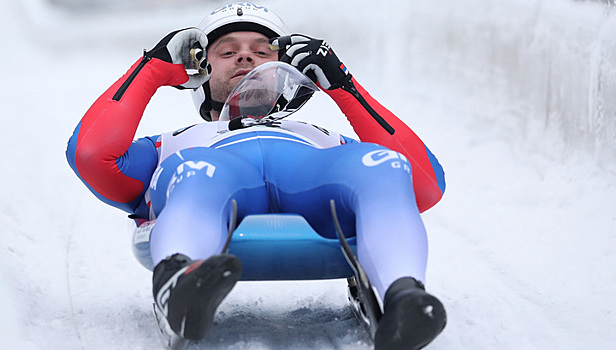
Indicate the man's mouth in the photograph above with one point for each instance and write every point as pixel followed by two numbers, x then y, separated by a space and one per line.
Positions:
pixel 241 73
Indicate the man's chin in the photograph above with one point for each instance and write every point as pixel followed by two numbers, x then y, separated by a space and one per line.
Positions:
pixel 236 79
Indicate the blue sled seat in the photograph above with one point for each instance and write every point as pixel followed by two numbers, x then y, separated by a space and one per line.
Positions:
pixel 274 247
pixel 285 247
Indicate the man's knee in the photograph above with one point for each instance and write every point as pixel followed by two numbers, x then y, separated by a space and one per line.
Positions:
pixel 374 164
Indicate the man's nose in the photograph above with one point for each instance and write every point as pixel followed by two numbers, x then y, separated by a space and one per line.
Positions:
pixel 245 55
pixel 242 58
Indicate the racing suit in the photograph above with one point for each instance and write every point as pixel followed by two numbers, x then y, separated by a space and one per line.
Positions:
pixel 185 179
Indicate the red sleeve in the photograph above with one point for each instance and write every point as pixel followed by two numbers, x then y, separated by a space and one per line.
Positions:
pixel 374 123
pixel 107 129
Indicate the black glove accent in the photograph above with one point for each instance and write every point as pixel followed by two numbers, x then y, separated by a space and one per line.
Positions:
pixel 160 51
pixel 313 57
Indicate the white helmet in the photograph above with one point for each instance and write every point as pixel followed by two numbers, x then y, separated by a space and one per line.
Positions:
pixel 240 16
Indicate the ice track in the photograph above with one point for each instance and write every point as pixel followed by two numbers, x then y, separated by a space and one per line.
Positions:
pixel 521 248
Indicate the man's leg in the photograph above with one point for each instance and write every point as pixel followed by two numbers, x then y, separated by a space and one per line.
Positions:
pixel 375 185
pixel 191 197
pixel 373 190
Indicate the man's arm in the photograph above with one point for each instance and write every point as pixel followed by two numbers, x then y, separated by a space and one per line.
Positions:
pixel 374 123
pixel 102 152
pixel 371 121
pixel 98 150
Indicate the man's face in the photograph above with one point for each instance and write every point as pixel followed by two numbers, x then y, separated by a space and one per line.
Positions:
pixel 234 55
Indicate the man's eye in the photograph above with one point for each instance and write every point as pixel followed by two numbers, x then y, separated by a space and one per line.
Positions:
pixel 264 53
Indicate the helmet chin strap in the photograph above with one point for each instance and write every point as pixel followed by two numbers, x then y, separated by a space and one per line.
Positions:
pixel 208 104
pixel 217 106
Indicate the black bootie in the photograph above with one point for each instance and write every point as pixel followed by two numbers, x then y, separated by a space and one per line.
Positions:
pixel 411 319
pixel 188 292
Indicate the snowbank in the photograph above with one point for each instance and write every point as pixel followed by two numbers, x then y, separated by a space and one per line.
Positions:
pixel 9 329
pixel 554 59
pixel 552 62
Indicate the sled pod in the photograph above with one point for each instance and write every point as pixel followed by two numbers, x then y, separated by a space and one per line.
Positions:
pixel 285 247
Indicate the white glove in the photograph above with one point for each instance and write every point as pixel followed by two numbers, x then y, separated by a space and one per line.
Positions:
pixel 185 47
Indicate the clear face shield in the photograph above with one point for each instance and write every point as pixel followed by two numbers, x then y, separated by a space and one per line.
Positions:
pixel 270 92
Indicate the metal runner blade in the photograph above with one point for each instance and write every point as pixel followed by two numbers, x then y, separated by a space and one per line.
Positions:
pixel 364 288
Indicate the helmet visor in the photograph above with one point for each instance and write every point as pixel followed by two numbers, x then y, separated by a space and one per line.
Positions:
pixel 271 91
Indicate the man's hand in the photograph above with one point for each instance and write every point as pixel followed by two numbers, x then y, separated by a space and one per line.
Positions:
pixel 185 47
pixel 314 58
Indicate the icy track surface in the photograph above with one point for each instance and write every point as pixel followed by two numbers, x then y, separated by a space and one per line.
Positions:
pixel 522 246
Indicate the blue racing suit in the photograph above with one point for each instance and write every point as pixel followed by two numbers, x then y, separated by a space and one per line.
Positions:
pixel 187 178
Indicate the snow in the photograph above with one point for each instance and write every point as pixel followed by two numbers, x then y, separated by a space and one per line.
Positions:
pixel 516 98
